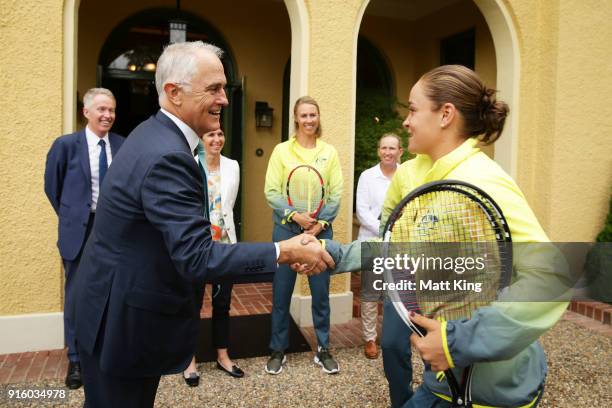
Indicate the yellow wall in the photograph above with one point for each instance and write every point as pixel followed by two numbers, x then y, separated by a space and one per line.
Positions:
pixel 564 103
pixel 30 118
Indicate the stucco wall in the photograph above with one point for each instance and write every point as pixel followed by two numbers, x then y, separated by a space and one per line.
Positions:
pixel 30 118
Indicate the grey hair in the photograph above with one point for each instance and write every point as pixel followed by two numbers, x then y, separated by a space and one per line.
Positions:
pixel 177 64
pixel 393 135
pixel 93 92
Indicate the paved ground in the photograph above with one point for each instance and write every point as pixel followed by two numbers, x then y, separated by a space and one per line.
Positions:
pixel 579 365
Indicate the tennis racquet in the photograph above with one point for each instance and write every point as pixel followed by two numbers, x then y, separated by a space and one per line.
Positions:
pixel 447 221
pixel 306 190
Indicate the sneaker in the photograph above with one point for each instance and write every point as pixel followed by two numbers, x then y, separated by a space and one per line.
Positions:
pixel 275 363
pixel 326 361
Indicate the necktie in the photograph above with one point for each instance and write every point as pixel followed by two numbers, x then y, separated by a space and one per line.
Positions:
pixel 102 162
pixel 202 159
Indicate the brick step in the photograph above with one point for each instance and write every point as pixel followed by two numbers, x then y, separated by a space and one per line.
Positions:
pixel 601 312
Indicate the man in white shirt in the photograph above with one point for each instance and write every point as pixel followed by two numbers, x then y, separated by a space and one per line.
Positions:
pixel 75 168
pixel 371 192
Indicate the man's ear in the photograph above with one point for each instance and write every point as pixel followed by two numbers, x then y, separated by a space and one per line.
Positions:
pixel 173 94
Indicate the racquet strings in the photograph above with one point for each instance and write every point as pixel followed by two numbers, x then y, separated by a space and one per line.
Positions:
pixel 304 189
pixel 441 225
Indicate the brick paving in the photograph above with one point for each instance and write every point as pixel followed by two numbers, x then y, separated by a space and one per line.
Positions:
pixel 248 299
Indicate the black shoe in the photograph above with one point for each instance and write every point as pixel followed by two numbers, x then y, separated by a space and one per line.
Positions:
pixel 73 377
pixel 235 372
pixel 193 380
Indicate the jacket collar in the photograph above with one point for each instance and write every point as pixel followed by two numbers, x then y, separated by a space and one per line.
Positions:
pixel 427 171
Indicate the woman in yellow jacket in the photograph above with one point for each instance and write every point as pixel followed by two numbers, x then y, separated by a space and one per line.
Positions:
pixel 304 148
pixel 450 112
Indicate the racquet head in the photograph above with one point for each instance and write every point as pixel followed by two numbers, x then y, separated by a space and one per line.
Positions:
pixel 439 226
pixel 305 190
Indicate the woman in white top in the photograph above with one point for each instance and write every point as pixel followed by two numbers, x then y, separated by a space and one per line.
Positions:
pixel 223 178
pixel 371 191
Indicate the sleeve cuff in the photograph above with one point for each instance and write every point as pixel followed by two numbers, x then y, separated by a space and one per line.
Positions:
pixel 323 223
pixel 449 358
pixel 290 216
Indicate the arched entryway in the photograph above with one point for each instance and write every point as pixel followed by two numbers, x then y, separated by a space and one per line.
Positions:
pixel 417 36
pixel 126 64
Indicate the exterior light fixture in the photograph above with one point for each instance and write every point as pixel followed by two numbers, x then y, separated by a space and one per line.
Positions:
pixel 178 31
pixel 263 114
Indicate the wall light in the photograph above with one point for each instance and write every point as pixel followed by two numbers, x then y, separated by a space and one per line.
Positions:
pixel 263 114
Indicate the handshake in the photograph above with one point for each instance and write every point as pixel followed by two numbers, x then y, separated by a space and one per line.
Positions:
pixel 305 254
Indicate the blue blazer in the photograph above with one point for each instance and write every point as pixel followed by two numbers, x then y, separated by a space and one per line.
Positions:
pixel 141 276
pixel 68 187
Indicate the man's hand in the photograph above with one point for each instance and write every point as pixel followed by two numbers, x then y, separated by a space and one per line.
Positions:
pixel 314 230
pixel 430 347
pixel 304 220
pixel 306 251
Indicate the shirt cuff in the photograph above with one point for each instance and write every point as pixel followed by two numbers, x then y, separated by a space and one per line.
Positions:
pixel 290 216
pixel 449 358
pixel 277 250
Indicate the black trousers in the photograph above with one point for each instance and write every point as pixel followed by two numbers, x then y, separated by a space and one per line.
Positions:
pixel 221 300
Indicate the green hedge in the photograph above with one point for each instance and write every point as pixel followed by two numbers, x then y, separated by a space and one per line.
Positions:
pixel 375 116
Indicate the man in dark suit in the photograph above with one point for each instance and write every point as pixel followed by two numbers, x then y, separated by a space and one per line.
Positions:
pixel 76 165
pixel 150 252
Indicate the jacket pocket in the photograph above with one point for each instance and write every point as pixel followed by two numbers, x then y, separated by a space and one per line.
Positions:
pixel 155 301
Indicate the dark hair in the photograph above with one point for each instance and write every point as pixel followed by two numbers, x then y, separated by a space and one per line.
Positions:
pixel 310 101
pixel 483 115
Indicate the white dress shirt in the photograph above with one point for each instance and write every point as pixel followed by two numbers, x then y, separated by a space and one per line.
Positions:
pixel 371 191
pixel 94 162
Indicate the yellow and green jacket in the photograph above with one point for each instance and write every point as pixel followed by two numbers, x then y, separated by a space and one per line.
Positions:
pixel 500 340
pixel 285 157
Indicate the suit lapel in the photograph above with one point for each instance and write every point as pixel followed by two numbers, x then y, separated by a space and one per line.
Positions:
pixel 114 143
pixel 83 150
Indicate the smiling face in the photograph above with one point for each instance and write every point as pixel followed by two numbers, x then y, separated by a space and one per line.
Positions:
pixel 100 114
pixel 423 122
pixel 389 151
pixel 307 119
pixel 204 98
pixel 213 142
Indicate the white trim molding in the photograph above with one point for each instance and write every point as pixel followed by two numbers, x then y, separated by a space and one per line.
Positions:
pixel 507 55
pixel 300 43
pixel 340 305
pixel 31 332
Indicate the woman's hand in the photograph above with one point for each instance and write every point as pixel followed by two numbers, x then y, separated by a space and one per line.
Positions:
pixel 304 220
pixel 430 347
pixel 315 229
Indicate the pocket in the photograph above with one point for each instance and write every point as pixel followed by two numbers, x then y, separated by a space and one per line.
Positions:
pixel 155 301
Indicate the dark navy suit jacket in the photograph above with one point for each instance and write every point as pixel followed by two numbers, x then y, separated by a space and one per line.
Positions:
pixel 68 187
pixel 150 252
